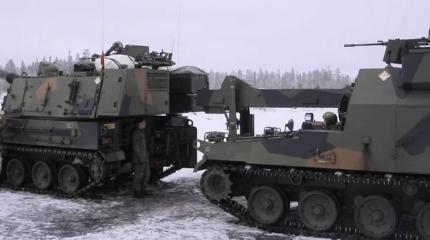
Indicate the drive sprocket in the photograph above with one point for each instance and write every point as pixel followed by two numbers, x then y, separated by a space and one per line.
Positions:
pixel 216 184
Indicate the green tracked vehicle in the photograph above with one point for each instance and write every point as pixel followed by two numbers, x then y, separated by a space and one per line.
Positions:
pixel 363 172
pixel 69 133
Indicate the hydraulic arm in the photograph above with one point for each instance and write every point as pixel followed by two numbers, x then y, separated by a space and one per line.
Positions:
pixel 236 96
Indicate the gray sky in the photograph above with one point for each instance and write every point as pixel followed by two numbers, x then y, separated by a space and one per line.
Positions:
pixel 222 35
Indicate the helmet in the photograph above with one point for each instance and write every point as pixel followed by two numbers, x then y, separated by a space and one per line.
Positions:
pixel 330 118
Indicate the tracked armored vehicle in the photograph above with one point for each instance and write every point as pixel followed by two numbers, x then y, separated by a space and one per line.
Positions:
pixel 67 133
pixel 364 175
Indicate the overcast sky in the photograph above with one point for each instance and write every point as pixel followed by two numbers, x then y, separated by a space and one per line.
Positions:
pixel 222 35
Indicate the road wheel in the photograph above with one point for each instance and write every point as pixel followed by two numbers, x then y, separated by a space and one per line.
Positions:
pixel 318 210
pixel 42 175
pixel 423 222
pixel 69 178
pixel 267 205
pixel 215 184
pixel 376 217
pixel 16 172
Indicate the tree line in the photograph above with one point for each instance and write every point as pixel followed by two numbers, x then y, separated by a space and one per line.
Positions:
pixel 318 78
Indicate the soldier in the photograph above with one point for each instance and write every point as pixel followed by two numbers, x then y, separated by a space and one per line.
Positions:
pixel 117 47
pixel 141 166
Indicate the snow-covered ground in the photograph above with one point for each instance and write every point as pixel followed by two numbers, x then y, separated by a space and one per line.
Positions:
pixel 174 210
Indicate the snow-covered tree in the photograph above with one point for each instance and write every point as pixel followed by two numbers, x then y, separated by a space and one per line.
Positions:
pixel 23 68
pixel 10 67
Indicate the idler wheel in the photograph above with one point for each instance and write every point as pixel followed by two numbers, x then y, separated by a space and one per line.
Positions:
pixel 16 172
pixel 215 184
pixel 376 217
pixel 423 222
pixel 318 210
pixel 69 179
pixel 42 175
pixel 267 205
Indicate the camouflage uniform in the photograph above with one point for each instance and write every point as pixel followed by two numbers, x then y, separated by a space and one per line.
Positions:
pixel 141 166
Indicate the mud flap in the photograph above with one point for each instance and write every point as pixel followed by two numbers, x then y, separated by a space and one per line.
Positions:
pixel 200 146
pixel 188 153
pixel 201 165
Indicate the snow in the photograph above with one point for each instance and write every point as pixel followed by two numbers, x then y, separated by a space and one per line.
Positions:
pixel 175 208
pixel 264 117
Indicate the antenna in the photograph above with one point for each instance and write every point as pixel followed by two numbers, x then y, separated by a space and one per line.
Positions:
pixel 179 32
pixel 102 59
pixel 103 23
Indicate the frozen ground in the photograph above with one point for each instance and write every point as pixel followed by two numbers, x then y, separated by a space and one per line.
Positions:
pixel 175 210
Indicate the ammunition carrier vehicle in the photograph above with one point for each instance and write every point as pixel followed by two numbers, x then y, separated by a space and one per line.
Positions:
pixel 66 134
pixel 363 172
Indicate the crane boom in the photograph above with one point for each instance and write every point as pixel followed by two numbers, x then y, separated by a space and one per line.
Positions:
pixel 237 96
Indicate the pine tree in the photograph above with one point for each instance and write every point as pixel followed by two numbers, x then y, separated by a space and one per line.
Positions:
pixel 23 68
pixel 77 57
pixel 69 63
pixel 10 67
